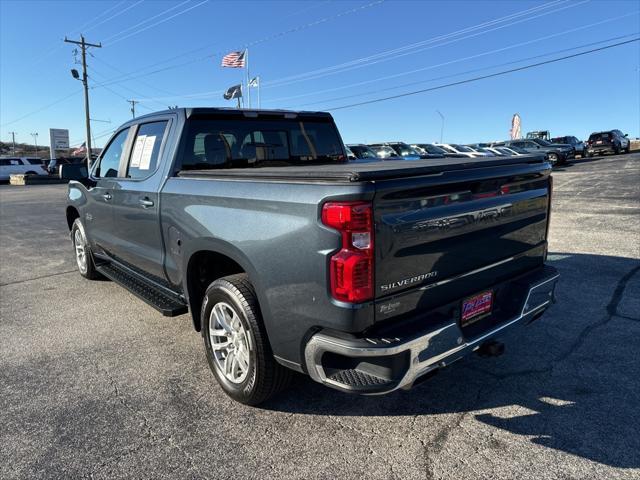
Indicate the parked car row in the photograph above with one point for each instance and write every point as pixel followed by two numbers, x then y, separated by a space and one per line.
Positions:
pixel 558 151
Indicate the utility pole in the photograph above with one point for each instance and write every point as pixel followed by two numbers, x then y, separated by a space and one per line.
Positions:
pixel 442 125
pixel 35 139
pixel 84 45
pixel 13 139
pixel 133 107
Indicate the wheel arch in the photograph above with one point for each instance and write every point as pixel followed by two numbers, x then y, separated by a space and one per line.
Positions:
pixel 206 263
pixel 72 213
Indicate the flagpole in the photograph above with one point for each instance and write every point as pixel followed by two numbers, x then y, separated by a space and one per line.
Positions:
pixel 259 82
pixel 246 54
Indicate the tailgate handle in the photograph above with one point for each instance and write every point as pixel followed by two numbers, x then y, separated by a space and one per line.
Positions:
pixel 146 203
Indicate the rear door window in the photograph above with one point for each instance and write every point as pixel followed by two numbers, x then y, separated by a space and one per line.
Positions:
pixel 146 149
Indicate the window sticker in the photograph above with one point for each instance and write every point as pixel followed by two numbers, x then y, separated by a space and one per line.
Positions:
pixel 137 151
pixel 147 150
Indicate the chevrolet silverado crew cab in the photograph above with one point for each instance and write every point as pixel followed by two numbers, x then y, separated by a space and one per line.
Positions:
pixel 365 276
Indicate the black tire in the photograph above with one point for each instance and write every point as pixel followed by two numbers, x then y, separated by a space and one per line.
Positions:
pixel 89 270
pixel 553 158
pixel 264 376
pixel 616 150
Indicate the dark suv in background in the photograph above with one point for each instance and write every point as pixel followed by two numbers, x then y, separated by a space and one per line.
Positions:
pixel 557 154
pixel 578 145
pixel 612 141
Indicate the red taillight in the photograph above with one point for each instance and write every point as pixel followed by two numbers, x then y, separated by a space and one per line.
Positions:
pixel 351 269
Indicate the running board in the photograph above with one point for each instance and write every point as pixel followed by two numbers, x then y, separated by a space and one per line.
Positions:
pixel 167 304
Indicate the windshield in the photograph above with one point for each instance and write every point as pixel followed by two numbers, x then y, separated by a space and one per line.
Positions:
pixel 517 149
pixel 362 151
pixel 384 151
pixel 273 142
pixel 406 150
pixel 462 148
pixel 433 149
pixel 447 148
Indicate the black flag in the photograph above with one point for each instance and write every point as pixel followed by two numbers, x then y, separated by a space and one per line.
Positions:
pixel 233 92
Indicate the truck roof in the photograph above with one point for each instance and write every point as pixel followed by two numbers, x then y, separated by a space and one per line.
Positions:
pixel 247 112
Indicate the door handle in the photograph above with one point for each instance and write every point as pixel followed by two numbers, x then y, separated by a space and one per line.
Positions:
pixel 146 203
pixel 106 196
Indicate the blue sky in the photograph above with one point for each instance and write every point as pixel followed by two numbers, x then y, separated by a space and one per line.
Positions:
pixel 317 55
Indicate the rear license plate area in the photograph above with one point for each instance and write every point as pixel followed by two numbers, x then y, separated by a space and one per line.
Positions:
pixel 476 307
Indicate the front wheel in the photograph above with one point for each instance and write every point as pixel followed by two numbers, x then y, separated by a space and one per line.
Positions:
pixel 84 259
pixel 553 158
pixel 236 343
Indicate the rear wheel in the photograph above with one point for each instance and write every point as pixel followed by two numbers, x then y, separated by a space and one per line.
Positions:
pixel 84 258
pixel 236 343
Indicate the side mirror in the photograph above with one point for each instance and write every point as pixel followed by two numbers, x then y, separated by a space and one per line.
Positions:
pixel 76 171
pixel 626 134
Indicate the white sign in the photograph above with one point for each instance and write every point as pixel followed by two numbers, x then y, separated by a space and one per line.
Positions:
pixel 137 151
pixel 58 140
pixel 145 158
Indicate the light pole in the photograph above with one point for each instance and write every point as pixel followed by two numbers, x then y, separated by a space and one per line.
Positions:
pixel 35 139
pixel 441 125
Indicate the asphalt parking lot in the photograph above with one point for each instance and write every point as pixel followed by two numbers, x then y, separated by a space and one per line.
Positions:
pixel 96 384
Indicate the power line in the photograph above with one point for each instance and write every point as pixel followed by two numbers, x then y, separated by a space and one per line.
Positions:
pixel 282 81
pixel 128 29
pixel 458 60
pixel 159 22
pixel 420 43
pixel 475 79
pixel 114 16
pixel 56 102
pixel 393 55
pixel 142 82
pixel 76 32
pixel 395 87
pixel 132 75
pixel 94 19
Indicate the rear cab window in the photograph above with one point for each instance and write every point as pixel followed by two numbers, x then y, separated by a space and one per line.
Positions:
pixel 224 142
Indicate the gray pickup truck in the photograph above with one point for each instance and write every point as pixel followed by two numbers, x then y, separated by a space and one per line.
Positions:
pixel 365 276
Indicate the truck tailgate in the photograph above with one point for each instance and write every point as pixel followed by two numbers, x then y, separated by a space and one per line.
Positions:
pixel 448 235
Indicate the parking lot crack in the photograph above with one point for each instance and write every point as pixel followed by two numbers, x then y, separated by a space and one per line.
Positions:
pixel 154 439
pixel 37 278
pixel 611 309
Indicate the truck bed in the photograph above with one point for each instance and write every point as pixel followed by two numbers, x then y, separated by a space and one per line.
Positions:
pixel 362 172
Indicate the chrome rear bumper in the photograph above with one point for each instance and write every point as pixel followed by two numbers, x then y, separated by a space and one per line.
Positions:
pixel 382 365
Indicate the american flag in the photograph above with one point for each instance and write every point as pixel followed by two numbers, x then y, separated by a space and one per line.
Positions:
pixel 80 150
pixel 234 60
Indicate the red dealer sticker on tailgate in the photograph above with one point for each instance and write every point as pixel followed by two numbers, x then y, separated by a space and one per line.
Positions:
pixel 473 308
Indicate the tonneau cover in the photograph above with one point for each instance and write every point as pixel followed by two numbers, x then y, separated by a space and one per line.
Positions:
pixel 362 172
